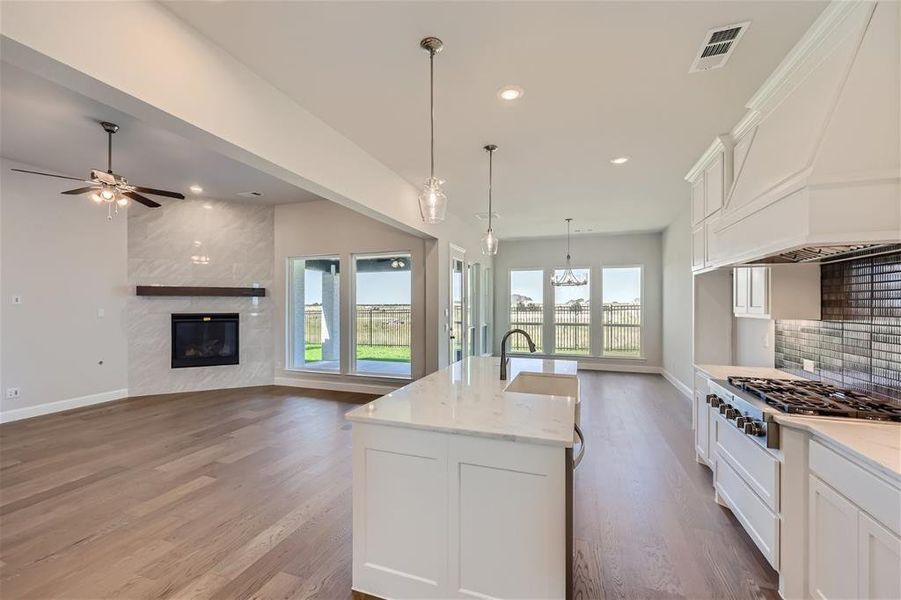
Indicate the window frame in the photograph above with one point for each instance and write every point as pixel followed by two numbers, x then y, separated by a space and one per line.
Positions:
pixel 352 315
pixel 543 270
pixel 641 312
pixel 290 320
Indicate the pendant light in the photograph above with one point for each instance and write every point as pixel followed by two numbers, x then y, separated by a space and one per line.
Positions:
pixel 489 241
pixel 432 201
pixel 568 278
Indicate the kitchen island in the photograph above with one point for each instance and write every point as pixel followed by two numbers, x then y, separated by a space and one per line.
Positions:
pixel 462 483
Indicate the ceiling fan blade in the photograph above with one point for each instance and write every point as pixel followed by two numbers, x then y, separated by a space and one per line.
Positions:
pixel 139 198
pixel 77 191
pixel 147 190
pixel 51 175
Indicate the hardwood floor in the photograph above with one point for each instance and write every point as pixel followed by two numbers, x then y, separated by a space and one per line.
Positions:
pixel 247 494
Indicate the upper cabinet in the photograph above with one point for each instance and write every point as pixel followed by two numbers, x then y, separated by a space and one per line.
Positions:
pixel 708 179
pixel 777 292
pixel 815 160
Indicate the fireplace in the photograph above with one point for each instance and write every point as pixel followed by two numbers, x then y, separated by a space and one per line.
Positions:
pixel 204 339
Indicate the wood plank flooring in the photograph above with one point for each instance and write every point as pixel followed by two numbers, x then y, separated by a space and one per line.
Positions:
pixel 247 494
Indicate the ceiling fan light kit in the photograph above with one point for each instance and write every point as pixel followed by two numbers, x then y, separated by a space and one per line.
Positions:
pixel 109 188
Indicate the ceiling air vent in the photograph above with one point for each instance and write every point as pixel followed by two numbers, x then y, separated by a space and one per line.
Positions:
pixel 250 194
pixel 719 43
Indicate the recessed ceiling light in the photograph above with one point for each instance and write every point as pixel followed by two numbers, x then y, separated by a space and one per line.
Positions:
pixel 208 206
pixel 510 93
pixel 620 160
pixel 196 189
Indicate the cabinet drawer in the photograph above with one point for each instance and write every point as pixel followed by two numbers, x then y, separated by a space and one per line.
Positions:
pixel 758 468
pixel 869 492
pixel 759 521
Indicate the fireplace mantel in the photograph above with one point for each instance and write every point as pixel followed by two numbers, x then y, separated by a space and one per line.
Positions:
pixel 180 290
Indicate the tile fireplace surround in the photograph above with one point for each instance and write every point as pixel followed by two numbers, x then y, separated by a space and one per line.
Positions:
pixel 198 243
pixel 857 344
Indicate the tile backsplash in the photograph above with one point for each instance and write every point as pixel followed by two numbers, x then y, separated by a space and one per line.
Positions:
pixel 857 344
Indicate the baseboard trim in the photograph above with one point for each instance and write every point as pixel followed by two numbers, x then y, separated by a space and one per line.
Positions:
pixel 684 389
pixel 28 412
pixel 338 386
pixel 618 367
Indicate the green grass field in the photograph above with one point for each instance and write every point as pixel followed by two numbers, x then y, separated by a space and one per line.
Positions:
pixel 387 353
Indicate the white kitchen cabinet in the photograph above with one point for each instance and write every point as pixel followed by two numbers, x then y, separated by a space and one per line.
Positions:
pixel 702 428
pixel 699 248
pixel 714 185
pixel 789 291
pixel 740 290
pixel 879 560
pixel 698 211
pixel 759 290
pixel 832 543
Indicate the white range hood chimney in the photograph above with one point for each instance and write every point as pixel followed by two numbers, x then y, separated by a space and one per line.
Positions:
pixel 817 159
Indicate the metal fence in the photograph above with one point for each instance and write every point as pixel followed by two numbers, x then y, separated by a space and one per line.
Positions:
pixel 376 324
pixel 390 325
pixel 572 328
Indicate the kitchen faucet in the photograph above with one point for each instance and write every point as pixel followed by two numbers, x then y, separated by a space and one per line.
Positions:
pixel 504 358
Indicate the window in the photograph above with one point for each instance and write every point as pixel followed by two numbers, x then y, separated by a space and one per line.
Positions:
pixel 572 315
pixel 382 315
pixel 622 311
pixel 313 314
pixel 526 307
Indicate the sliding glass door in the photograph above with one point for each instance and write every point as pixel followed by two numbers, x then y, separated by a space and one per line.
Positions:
pixel 382 315
pixel 314 314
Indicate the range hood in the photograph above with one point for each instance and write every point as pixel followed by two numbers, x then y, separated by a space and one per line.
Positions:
pixel 828 254
pixel 816 160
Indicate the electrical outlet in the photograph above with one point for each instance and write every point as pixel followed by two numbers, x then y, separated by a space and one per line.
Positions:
pixel 13 392
pixel 809 366
pixel 16 299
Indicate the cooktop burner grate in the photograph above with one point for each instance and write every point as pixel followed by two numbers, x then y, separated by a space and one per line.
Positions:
pixel 804 397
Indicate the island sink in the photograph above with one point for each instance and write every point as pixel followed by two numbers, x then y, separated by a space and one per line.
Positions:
pixel 462 483
pixel 545 384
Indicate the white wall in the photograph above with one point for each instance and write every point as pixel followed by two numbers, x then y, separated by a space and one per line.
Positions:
pixel 325 228
pixel 754 341
pixel 66 261
pixel 595 251
pixel 236 241
pixel 677 300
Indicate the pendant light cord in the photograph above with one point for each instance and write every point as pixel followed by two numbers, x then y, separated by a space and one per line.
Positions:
pixel 109 152
pixel 568 257
pixel 432 110
pixel 490 179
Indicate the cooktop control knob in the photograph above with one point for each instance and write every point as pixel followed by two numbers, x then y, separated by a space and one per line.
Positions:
pixel 724 407
pixel 753 428
pixel 731 413
pixel 740 421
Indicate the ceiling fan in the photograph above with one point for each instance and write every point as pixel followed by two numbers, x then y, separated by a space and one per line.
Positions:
pixel 108 187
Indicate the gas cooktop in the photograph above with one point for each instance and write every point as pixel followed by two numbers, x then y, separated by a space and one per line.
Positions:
pixel 803 397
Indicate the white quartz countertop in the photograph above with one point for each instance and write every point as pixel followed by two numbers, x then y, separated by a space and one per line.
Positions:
pixel 469 398
pixel 724 371
pixel 877 445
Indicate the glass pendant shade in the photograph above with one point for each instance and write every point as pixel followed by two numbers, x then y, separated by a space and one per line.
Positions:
pixel 489 243
pixel 432 201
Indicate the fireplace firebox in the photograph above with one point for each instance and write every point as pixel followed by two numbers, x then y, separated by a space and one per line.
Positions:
pixel 204 339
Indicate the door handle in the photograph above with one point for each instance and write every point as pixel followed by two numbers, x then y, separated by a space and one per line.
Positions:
pixel 581 454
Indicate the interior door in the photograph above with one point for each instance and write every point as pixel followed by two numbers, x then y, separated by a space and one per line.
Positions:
pixel 457 303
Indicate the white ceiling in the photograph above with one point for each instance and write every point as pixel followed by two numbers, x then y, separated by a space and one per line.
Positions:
pixel 601 79
pixel 55 129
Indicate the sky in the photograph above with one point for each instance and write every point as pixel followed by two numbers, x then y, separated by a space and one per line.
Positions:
pixel 619 285
pixel 372 288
